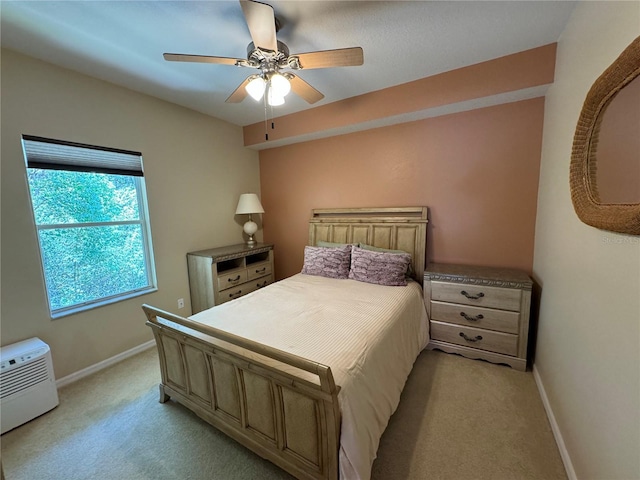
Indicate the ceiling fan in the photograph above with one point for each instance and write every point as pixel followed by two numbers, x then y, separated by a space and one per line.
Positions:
pixel 272 58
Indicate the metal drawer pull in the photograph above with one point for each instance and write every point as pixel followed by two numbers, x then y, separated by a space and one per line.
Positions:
pixel 261 270
pixel 469 339
pixel 231 295
pixel 264 284
pixel 472 319
pixel 472 297
pixel 234 279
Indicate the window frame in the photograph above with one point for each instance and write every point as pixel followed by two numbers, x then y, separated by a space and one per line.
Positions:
pixel 143 221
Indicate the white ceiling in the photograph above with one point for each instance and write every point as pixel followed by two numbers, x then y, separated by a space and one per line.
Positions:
pixel 123 41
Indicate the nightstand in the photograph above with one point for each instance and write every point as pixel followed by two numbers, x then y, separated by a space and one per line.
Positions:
pixel 219 275
pixel 479 312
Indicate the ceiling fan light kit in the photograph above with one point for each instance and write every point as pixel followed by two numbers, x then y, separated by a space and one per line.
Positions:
pixel 272 57
pixel 279 84
pixel 276 84
pixel 256 87
pixel 274 100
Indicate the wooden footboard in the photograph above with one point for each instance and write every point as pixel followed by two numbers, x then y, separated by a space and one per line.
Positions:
pixel 281 406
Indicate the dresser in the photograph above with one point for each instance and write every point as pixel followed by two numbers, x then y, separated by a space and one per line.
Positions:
pixel 479 312
pixel 219 275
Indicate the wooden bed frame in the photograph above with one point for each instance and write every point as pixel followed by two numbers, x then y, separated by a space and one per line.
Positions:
pixel 279 405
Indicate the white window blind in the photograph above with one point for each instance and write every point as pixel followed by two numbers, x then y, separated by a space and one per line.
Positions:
pixel 46 153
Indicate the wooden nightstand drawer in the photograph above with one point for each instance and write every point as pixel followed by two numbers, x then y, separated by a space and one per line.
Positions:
pixel 258 270
pixel 488 318
pixel 479 312
pixel 231 279
pixel 479 295
pixel 488 340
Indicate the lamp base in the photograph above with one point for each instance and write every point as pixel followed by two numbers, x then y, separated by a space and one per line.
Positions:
pixel 250 228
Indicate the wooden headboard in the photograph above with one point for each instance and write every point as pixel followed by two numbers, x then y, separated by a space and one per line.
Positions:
pixel 402 228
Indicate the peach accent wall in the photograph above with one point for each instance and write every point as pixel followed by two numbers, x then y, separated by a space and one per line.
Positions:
pixel 518 71
pixel 477 171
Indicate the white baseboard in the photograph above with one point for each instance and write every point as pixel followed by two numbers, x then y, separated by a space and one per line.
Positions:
pixel 104 364
pixel 566 459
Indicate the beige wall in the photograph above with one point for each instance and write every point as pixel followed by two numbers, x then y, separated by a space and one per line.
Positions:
pixel 477 171
pixel 588 348
pixel 195 169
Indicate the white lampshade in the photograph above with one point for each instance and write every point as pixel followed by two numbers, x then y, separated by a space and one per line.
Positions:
pixel 256 87
pixel 279 85
pixel 249 203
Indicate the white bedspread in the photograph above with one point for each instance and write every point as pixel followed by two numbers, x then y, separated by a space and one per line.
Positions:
pixel 370 336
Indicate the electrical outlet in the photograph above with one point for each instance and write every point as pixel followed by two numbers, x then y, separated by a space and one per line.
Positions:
pixel 181 303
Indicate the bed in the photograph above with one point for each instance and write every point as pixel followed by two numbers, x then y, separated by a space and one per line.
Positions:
pixel 306 382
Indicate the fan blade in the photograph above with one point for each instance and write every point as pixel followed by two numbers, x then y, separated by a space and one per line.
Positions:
pixel 262 24
pixel 179 57
pixel 341 57
pixel 240 93
pixel 303 89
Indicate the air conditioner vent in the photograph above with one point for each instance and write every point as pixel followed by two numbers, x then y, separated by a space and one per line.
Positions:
pixel 27 384
pixel 23 377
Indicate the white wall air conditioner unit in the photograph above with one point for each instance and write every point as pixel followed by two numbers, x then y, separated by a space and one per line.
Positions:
pixel 27 383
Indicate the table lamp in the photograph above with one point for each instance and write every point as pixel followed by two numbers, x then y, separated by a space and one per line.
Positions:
pixel 249 203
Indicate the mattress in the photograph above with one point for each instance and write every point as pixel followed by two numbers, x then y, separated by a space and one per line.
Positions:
pixel 370 336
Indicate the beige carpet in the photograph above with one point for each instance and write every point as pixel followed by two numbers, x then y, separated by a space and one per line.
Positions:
pixel 458 419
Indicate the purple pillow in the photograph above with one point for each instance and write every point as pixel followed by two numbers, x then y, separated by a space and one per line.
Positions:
pixel 382 268
pixel 327 261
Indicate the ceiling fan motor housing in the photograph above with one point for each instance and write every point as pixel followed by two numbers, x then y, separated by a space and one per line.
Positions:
pixel 260 57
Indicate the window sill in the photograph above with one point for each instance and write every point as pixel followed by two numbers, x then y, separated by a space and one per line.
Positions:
pixel 100 303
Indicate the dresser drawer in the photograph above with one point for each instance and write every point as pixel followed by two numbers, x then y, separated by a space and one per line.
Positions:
pixel 491 319
pixel 488 340
pixel 232 279
pixel 236 292
pixel 240 290
pixel 262 282
pixel 258 270
pixel 477 295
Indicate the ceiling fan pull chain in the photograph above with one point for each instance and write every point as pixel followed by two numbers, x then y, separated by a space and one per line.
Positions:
pixel 273 124
pixel 266 129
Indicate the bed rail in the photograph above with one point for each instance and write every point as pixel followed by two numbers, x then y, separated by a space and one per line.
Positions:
pixel 281 406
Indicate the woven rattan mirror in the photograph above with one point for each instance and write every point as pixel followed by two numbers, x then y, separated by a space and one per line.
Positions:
pixel 616 217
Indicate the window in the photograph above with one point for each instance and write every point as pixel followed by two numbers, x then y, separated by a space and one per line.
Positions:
pixel 90 210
